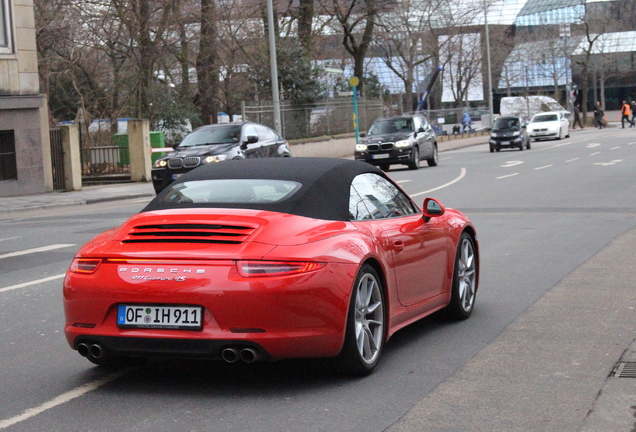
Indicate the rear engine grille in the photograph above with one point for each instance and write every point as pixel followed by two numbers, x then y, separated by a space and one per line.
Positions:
pixel 191 162
pixel 174 163
pixel 189 233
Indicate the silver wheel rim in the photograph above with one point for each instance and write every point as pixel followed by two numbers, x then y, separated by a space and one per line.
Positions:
pixel 369 318
pixel 416 155
pixel 435 153
pixel 466 275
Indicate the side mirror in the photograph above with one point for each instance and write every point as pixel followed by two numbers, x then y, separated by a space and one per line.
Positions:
pixel 251 139
pixel 362 135
pixel 433 208
pixel 175 145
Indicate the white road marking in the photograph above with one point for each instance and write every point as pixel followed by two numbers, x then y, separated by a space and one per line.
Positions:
pixel 40 249
pixel 572 160
pixel 506 176
pixel 615 148
pixel 62 399
pixel 594 154
pixel 631 143
pixel 511 164
pixel 35 282
pixel 609 163
pixel 462 174
pixel 403 181
pixel 592 145
pixel 543 167
pixel 9 238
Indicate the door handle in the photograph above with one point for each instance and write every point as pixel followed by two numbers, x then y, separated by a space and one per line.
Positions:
pixel 398 246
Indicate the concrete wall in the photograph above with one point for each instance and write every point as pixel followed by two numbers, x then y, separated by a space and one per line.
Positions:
pixel 335 148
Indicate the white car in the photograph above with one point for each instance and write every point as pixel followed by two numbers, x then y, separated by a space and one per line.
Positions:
pixel 549 125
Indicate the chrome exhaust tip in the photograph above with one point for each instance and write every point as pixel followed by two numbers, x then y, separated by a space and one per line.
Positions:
pixel 249 355
pixel 230 355
pixel 96 351
pixel 82 349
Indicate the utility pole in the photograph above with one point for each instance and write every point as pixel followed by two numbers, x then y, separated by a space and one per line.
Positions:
pixel 490 104
pixel 273 66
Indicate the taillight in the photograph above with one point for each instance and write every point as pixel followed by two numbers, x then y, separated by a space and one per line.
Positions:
pixel 276 268
pixel 85 265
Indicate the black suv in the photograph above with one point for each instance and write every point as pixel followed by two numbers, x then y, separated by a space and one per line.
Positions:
pixel 217 143
pixel 404 140
pixel 509 132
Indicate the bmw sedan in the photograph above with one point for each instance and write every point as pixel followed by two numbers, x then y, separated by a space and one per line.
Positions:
pixel 264 260
pixel 549 125
pixel 218 143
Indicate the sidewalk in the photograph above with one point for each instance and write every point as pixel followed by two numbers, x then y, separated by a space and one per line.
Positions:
pixel 124 191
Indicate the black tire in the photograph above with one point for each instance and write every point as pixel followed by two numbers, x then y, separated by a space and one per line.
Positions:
pixel 433 160
pixel 414 163
pixel 385 167
pixel 528 145
pixel 521 146
pixel 361 352
pixel 492 149
pixel 464 289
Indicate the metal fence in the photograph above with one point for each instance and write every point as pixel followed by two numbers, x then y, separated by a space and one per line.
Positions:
pixel 101 158
pixel 57 158
pixel 8 161
pixel 330 117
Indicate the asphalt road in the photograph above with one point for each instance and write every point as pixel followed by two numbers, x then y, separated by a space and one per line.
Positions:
pixel 554 313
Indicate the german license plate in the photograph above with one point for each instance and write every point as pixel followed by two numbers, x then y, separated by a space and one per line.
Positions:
pixel 380 156
pixel 505 142
pixel 160 317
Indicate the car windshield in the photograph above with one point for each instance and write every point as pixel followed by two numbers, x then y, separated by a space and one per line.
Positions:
pixel 506 124
pixel 544 118
pixel 387 126
pixel 225 134
pixel 236 191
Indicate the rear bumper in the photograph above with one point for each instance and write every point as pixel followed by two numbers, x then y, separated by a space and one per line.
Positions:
pixel 290 317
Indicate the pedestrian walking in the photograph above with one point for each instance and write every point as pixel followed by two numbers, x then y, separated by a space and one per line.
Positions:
pixel 599 121
pixel 626 110
pixel 577 116
pixel 633 110
pixel 467 122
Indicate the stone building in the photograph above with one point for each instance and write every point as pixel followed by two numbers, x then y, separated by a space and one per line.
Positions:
pixel 25 154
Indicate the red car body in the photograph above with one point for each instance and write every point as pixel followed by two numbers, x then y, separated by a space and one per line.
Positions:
pixel 276 283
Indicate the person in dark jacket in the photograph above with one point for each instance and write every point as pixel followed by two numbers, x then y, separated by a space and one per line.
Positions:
pixel 577 116
pixel 599 121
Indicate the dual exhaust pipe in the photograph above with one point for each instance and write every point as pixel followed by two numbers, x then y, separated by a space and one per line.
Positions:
pixel 248 355
pixel 94 350
pixel 230 355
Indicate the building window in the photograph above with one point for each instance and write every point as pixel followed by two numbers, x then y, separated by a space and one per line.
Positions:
pixel 5 27
pixel 8 165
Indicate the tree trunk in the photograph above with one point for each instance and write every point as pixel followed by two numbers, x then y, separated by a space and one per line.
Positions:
pixel 304 25
pixel 207 68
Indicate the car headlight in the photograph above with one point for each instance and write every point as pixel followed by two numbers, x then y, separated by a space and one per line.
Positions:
pixel 494 135
pixel 160 163
pixel 215 158
pixel 516 134
pixel 403 143
pixel 361 147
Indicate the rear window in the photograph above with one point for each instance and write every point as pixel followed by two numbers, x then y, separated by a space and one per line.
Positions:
pixel 544 118
pixel 234 191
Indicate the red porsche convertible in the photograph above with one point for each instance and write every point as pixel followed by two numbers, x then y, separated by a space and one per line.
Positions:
pixel 270 259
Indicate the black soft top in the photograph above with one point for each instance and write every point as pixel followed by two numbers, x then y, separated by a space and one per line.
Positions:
pixel 324 193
